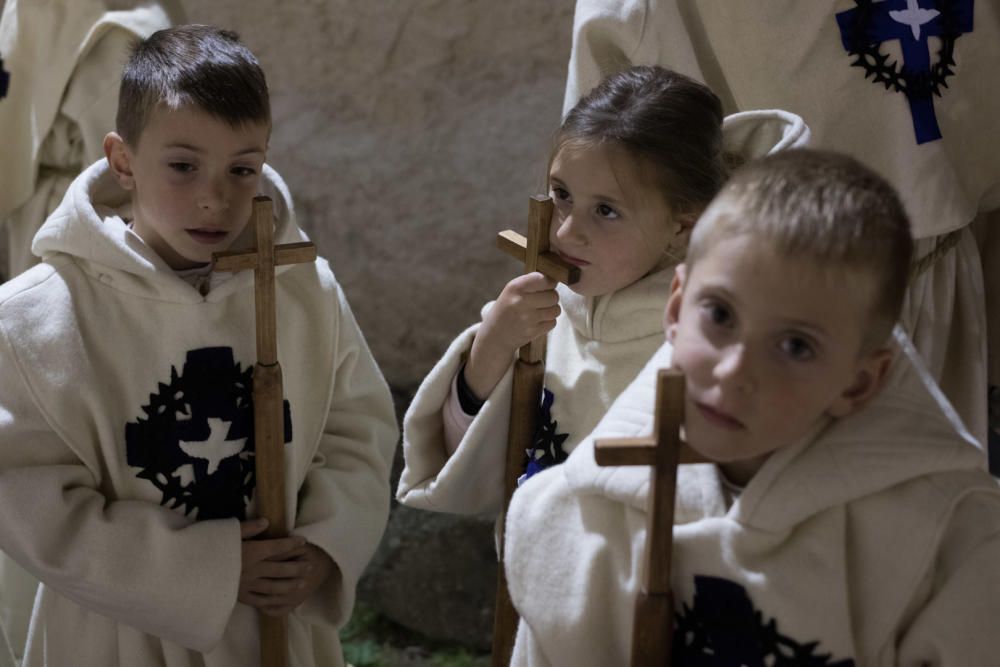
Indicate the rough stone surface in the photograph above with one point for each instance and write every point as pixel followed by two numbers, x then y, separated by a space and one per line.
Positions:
pixel 410 133
pixel 436 573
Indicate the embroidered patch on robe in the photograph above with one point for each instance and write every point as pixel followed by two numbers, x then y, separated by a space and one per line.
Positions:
pixel 196 442
pixel 723 628
pixel 547 449
pixel 912 23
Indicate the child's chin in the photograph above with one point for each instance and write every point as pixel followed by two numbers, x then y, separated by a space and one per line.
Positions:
pixel 201 257
pixel 583 289
pixel 198 258
pixel 712 449
pixel 714 455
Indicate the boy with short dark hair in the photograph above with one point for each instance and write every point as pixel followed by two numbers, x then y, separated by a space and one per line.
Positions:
pixel 126 413
pixel 848 518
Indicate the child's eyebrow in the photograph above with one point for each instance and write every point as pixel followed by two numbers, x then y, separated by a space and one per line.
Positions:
pixel 198 149
pixel 808 327
pixel 248 151
pixel 609 199
pixel 189 147
pixel 555 180
pixel 719 289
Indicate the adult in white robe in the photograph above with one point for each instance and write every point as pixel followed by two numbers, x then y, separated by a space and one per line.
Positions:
pixel 939 151
pixel 61 67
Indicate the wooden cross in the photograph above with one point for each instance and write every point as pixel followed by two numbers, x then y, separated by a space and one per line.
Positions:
pixel 268 396
pixel 653 626
pixel 526 393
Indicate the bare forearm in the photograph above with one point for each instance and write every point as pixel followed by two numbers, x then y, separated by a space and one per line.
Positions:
pixel 485 367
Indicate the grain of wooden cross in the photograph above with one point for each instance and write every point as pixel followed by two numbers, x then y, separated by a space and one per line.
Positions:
pixel 268 396
pixel 652 629
pixel 526 394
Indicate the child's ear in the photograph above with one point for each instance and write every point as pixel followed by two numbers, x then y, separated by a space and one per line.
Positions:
pixel 119 159
pixel 671 314
pixel 871 374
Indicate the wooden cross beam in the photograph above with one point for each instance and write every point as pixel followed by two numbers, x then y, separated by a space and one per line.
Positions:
pixel 652 628
pixel 268 395
pixel 526 394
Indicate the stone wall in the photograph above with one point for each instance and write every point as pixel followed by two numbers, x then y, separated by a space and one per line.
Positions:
pixel 410 132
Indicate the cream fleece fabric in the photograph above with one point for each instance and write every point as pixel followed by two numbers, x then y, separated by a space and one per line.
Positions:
pixel 7 658
pixel 595 350
pixel 790 55
pixel 65 59
pixel 126 423
pixel 876 537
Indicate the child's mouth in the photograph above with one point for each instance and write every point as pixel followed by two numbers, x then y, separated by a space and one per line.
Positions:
pixel 208 236
pixel 720 418
pixel 575 261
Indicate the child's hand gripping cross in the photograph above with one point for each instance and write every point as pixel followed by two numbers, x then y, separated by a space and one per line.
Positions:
pixel 277 575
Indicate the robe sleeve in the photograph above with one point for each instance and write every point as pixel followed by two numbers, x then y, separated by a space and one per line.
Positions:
pixel 456 420
pixel 6 656
pixel 576 544
pixel 343 503
pixel 91 99
pixel 470 481
pixel 572 562
pixel 957 623
pixel 609 36
pixel 133 561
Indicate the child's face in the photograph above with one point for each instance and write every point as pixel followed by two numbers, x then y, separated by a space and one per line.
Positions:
pixel 769 345
pixel 193 178
pixel 616 236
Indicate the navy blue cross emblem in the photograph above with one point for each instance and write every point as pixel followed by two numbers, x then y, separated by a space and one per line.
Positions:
pixel 4 81
pixel 871 23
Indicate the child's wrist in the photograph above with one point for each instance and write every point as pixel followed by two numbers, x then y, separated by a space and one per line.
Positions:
pixel 470 403
pixel 484 369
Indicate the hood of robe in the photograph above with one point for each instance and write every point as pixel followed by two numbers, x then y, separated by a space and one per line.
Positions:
pixel 41 43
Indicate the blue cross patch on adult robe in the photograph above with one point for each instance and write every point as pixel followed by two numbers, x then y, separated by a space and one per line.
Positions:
pixel 912 23
pixel 4 80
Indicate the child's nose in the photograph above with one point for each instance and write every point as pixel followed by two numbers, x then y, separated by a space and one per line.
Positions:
pixel 214 196
pixel 734 369
pixel 569 230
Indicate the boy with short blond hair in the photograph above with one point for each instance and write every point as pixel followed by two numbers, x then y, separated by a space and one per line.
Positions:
pixel 819 205
pixel 848 517
pixel 126 409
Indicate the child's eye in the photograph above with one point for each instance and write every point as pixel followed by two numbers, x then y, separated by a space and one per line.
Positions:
pixel 606 211
pixel 560 194
pixel 717 313
pixel 182 167
pixel 243 171
pixel 797 348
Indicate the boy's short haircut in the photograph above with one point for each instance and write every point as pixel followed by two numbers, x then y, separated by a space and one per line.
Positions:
pixel 823 206
pixel 199 65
